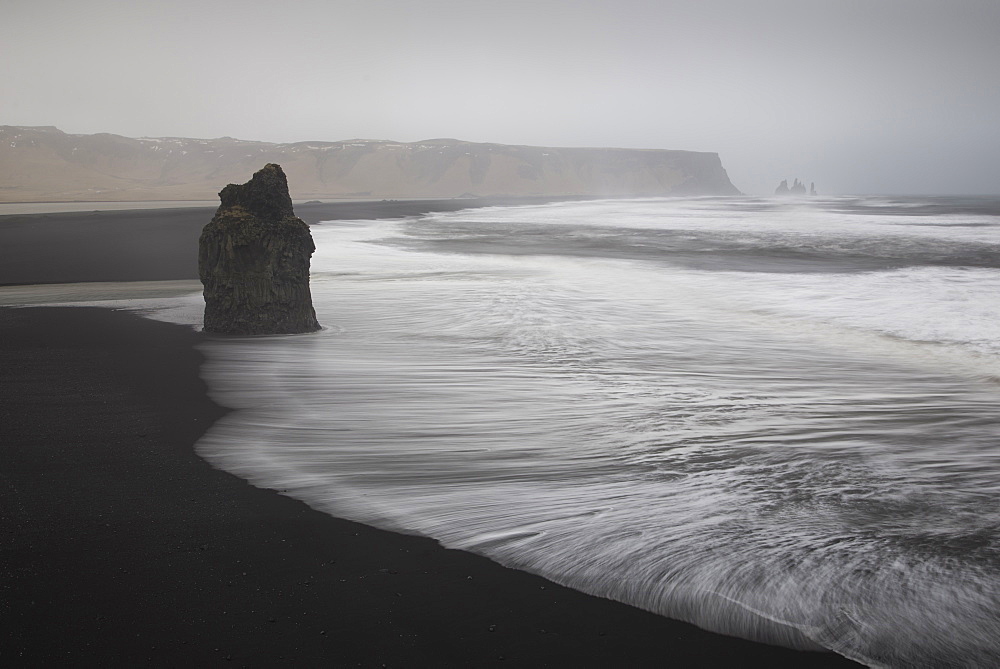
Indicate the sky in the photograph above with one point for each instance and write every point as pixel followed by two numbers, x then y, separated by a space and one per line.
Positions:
pixel 858 96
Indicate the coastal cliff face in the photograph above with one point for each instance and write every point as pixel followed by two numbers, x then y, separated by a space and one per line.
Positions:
pixel 253 259
pixel 46 164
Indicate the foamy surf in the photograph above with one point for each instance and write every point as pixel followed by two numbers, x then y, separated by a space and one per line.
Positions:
pixel 801 450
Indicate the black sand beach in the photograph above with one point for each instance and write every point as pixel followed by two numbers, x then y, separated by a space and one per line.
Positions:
pixel 122 547
pixel 155 244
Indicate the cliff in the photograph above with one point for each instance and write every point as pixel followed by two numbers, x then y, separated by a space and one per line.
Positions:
pixel 46 164
pixel 253 259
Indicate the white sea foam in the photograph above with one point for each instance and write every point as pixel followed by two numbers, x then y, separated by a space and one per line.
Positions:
pixel 804 457
pixel 804 218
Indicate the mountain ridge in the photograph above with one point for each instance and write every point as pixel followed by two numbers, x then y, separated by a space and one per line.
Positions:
pixel 43 163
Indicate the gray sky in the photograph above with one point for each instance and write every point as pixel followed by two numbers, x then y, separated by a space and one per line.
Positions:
pixel 860 96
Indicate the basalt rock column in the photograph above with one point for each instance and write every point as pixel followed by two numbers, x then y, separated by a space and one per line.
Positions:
pixel 253 259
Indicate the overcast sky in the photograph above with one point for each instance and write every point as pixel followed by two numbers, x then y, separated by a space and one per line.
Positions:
pixel 860 96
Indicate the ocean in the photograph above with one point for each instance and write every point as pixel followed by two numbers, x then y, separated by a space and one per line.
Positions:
pixel 776 419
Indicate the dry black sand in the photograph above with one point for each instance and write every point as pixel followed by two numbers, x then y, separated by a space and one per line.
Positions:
pixel 120 547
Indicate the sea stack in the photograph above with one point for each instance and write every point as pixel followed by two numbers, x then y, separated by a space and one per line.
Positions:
pixel 253 259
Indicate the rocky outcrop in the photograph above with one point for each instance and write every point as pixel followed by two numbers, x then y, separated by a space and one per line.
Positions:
pixel 253 259
pixel 797 188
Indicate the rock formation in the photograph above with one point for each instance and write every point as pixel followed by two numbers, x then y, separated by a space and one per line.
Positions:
pixel 253 259
pixel 797 188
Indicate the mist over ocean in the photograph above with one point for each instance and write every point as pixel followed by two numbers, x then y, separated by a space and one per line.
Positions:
pixel 777 419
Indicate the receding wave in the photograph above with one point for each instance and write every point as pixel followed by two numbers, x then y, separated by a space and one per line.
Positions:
pixel 807 458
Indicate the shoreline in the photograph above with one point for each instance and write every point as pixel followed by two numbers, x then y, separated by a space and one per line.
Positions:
pixel 31 208
pixel 158 244
pixel 126 547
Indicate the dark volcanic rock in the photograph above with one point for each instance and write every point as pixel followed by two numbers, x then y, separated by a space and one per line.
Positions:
pixel 253 259
pixel 797 188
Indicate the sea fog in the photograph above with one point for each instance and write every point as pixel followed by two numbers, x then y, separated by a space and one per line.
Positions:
pixel 777 419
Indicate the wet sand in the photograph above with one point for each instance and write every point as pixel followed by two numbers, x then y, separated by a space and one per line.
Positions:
pixel 154 244
pixel 122 547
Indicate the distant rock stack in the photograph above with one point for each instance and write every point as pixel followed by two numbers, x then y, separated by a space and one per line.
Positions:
pixel 797 188
pixel 253 259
